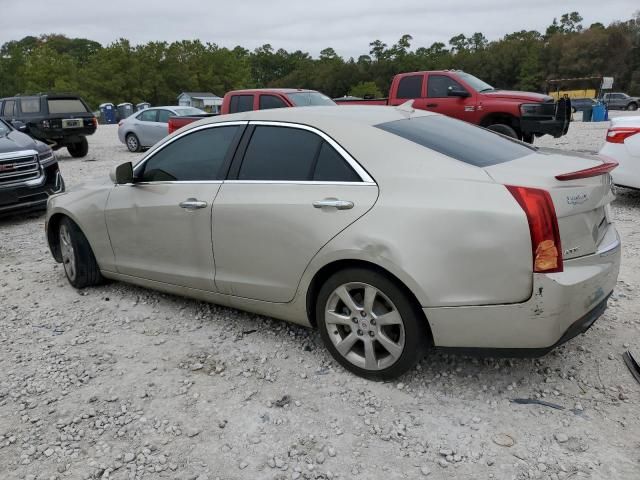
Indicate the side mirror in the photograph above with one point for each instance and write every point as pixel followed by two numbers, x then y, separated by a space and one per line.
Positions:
pixel 18 125
pixel 122 174
pixel 457 92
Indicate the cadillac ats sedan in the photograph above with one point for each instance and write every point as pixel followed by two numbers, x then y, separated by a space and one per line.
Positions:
pixel 390 230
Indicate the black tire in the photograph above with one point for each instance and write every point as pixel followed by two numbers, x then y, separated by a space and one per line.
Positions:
pixel 416 337
pixel 528 138
pixel 79 149
pixel 504 130
pixel 632 106
pixel 84 272
pixel 133 143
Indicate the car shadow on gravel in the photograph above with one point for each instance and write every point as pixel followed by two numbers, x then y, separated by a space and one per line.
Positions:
pixel 21 218
pixel 627 197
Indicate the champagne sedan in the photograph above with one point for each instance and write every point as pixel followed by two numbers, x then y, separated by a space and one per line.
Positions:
pixel 391 230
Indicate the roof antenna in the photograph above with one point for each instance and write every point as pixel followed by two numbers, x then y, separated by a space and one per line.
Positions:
pixel 406 107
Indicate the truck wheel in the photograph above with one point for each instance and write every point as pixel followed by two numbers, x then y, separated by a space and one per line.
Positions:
pixel 79 149
pixel 632 106
pixel 370 325
pixel 528 138
pixel 79 263
pixel 504 130
pixel 133 144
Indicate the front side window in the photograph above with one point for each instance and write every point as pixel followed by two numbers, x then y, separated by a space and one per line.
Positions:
pixel 271 101
pixel 438 86
pixel 198 156
pixel 148 116
pixel 241 103
pixel 30 104
pixel 164 115
pixel 410 87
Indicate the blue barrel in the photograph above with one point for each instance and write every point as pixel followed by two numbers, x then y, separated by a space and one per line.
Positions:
pixel 599 113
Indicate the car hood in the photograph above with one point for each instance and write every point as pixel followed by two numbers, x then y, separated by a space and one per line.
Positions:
pixel 517 96
pixel 15 141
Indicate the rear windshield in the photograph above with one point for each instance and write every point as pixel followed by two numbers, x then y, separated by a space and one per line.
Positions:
pixel 306 99
pixel 460 140
pixel 66 105
pixel 185 112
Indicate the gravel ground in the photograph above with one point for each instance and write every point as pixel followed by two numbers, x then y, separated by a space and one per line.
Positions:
pixel 119 382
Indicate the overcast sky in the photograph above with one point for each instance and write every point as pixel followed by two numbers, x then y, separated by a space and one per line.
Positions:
pixel 346 25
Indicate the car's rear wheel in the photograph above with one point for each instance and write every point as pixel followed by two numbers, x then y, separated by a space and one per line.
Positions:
pixel 632 106
pixel 370 325
pixel 79 149
pixel 133 144
pixel 503 129
pixel 79 263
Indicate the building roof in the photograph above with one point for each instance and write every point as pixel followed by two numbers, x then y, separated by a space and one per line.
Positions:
pixel 199 95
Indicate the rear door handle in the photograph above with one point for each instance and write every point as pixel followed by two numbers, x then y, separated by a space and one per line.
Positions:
pixel 192 204
pixel 333 203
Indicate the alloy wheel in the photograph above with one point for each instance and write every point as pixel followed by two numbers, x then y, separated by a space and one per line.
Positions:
pixel 132 143
pixel 364 326
pixel 68 254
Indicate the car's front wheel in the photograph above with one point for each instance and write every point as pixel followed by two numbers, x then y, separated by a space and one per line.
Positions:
pixel 133 144
pixel 503 129
pixel 632 106
pixel 370 325
pixel 79 263
pixel 79 149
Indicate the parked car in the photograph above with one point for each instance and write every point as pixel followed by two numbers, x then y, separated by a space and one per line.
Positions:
pixel 260 99
pixel 457 94
pixel 623 145
pixel 620 101
pixel 582 104
pixel 29 171
pixel 58 120
pixel 145 128
pixel 390 231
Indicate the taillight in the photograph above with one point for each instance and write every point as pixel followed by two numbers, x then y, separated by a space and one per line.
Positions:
pixel 620 134
pixel 546 247
pixel 45 124
pixel 94 120
pixel 608 165
pixel 120 123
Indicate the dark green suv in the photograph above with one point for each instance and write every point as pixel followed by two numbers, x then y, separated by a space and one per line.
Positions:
pixel 60 120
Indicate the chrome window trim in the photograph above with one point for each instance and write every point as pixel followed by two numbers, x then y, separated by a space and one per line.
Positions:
pixel 161 147
pixel 298 182
pixel 362 173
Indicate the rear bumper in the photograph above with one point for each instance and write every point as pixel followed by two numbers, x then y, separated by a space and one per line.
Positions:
pixel 23 198
pixel 562 306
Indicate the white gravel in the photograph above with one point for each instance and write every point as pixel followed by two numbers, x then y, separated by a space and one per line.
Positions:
pixel 119 382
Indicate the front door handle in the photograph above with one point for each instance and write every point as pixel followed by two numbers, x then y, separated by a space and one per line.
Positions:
pixel 192 204
pixel 333 203
pixel 432 105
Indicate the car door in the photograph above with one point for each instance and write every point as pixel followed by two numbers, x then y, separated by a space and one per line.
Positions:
pixel 160 225
pixel 145 126
pixel 289 192
pixel 439 100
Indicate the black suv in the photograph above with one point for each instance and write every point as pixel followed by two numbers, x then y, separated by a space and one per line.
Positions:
pixel 29 171
pixel 59 120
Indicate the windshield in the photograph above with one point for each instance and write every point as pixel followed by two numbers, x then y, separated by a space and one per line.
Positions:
pixel 4 129
pixel 475 83
pixel 184 112
pixel 306 99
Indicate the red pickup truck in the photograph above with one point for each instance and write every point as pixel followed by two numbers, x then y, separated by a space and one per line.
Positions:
pixel 260 99
pixel 457 94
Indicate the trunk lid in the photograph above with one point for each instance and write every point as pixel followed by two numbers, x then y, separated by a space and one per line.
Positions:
pixel 581 205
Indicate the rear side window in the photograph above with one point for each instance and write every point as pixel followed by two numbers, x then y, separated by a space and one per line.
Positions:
pixel 66 105
pixel 30 104
pixel 280 153
pixel 241 103
pixel 331 167
pixel 198 156
pixel 410 87
pixel 460 140
pixel 271 101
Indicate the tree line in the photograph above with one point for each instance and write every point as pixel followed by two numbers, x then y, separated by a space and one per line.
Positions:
pixel 158 71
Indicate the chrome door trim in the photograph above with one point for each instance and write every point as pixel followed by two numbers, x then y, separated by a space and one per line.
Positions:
pixel 298 182
pixel 151 153
pixel 362 173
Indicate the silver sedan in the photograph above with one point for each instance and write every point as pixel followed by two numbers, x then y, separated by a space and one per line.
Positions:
pixel 147 127
pixel 392 231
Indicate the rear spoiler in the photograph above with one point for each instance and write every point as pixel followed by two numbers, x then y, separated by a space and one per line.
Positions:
pixel 606 167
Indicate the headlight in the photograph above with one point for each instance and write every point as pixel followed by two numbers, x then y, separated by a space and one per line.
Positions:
pixel 538 109
pixel 47 157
